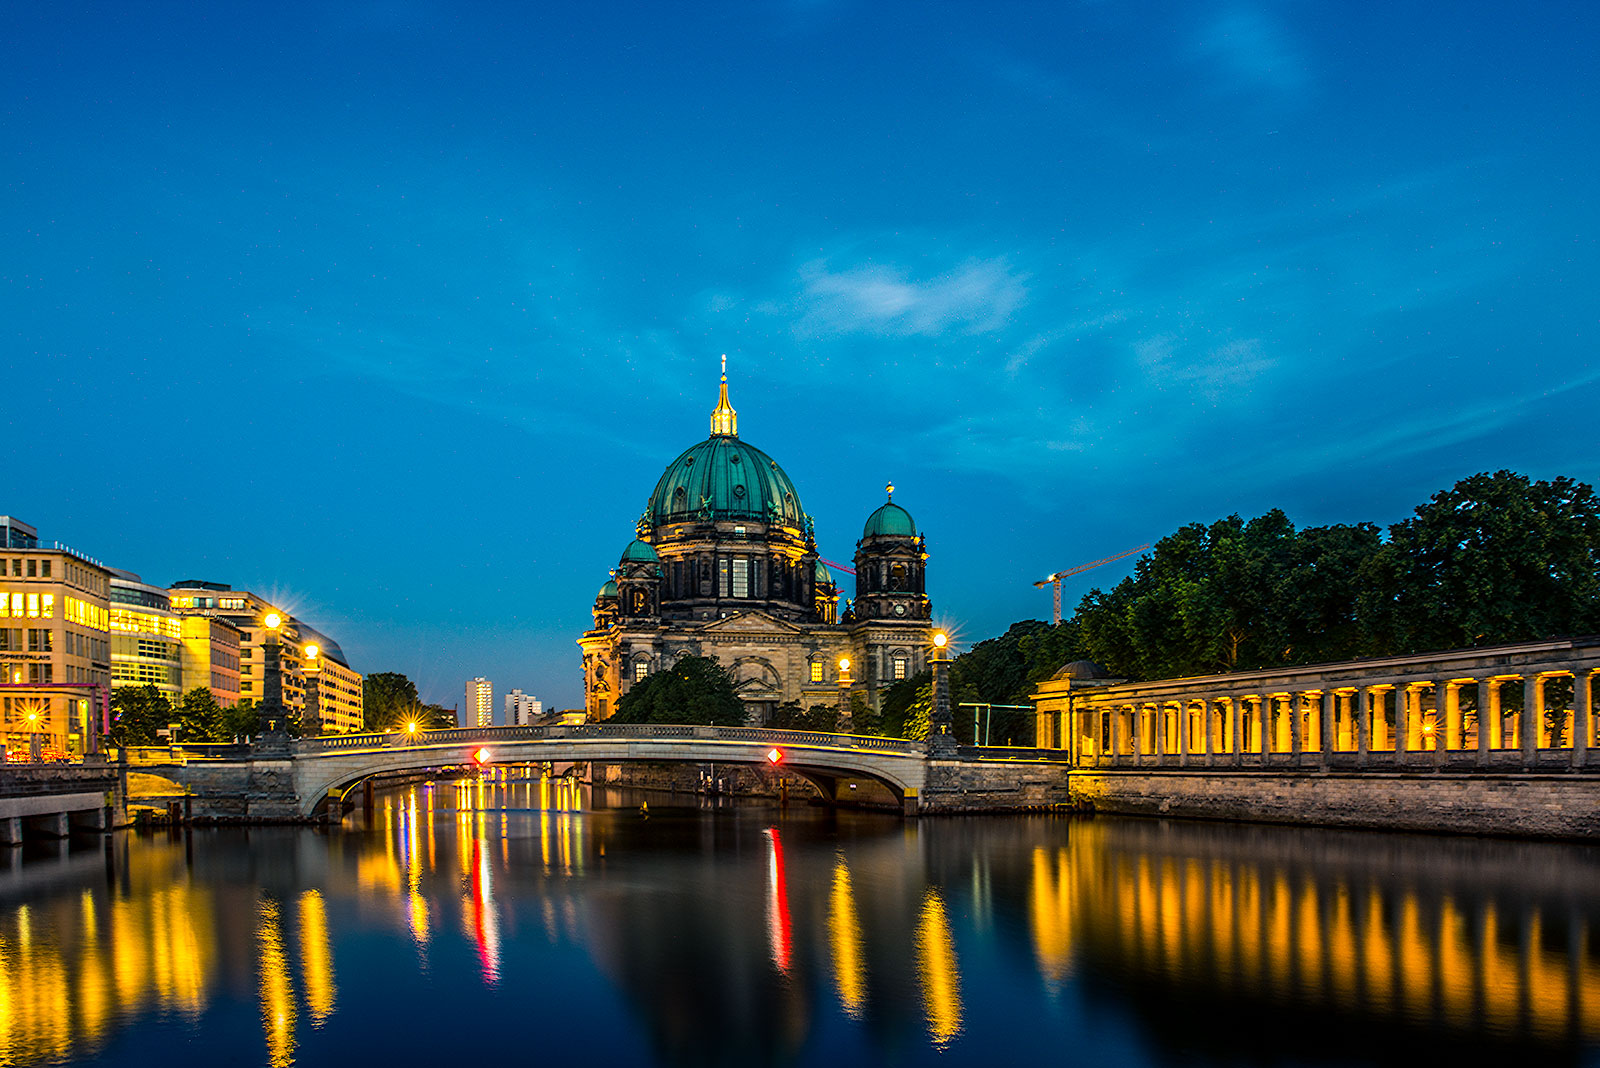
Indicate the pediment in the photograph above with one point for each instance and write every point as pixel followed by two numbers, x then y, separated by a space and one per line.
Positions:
pixel 751 623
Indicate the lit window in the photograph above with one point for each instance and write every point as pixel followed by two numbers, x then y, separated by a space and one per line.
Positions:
pixel 641 668
pixel 33 605
pixel 741 577
pixel 899 667
pixel 816 671
pixel 49 606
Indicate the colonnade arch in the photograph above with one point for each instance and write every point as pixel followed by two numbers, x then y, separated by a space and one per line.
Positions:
pixel 1527 705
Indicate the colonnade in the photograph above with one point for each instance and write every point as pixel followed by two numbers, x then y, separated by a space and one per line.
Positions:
pixel 1356 714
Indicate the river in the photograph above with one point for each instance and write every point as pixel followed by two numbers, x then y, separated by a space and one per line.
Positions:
pixel 533 921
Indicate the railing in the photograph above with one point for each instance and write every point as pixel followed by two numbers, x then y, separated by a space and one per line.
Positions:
pixel 336 743
pixel 184 753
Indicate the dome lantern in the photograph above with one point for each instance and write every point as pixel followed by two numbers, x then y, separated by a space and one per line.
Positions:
pixel 724 420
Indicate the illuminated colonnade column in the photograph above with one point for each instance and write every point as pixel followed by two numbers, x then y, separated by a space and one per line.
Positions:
pixel 1582 715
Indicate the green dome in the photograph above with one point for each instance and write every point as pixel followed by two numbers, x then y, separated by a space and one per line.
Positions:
pixel 725 478
pixel 608 590
pixel 640 552
pixel 890 519
pixel 823 574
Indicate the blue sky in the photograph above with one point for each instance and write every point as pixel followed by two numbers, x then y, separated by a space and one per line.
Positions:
pixel 396 311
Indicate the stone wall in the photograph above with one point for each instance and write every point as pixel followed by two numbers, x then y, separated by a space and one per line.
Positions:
pixel 1541 806
pixel 954 787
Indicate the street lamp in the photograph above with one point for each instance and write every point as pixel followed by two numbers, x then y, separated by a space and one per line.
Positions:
pixel 272 674
pixel 846 720
pixel 33 735
pixel 939 737
pixel 411 731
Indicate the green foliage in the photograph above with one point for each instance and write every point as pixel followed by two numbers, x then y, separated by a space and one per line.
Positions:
pixel 137 713
pixel 894 707
pixel 862 719
pixel 789 716
pixel 200 717
pixel 1495 558
pixel 695 690
pixel 241 721
pixel 919 714
pixel 387 698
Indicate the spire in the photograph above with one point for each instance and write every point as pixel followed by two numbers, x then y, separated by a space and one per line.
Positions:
pixel 724 420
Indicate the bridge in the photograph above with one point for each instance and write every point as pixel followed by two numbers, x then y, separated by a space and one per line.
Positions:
pixel 293 781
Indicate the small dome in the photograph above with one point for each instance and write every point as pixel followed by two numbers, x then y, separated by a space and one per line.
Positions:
pixel 891 519
pixel 823 574
pixel 608 590
pixel 1081 669
pixel 640 552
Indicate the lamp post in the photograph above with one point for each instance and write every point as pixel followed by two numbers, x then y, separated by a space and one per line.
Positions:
pixel 846 720
pixel 940 740
pixel 272 711
pixel 33 736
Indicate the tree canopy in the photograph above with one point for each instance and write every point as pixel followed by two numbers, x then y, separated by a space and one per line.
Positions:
pixel 1496 558
pixel 694 690
pixel 387 698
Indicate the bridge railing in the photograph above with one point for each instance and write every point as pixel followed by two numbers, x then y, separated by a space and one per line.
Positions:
pixel 334 743
pixel 184 753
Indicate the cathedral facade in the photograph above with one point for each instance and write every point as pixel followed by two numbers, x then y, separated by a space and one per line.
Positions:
pixel 725 565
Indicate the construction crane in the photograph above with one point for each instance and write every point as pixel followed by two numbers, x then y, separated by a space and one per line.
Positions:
pixel 1054 581
pixel 838 567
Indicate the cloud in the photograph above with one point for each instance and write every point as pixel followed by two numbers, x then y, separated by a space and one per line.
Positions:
pixel 977 297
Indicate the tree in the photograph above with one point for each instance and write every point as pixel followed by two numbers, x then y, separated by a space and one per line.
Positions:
pixel 694 690
pixel 200 717
pixel 386 697
pixel 1495 558
pixel 789 716
pixel 243 720
pixel 137 713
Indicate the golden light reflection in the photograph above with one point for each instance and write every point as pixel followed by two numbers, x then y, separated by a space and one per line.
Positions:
pixel 276 988
pixel 316 957
pixel 844 938
pixel 1337 934
pixel 1051 914
pixel 938 969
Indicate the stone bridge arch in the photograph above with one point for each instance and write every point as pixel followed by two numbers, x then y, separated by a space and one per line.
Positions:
pixel 321 768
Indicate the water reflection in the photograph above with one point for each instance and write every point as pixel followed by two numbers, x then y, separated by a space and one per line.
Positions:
pixel 751 936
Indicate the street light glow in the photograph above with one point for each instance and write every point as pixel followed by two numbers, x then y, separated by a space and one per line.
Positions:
pixel 412 726
pixel 939 639
pixel 273 620
pixel 311 652
pixel 844 663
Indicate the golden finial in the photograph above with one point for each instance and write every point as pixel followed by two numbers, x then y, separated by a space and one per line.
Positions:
pixel 889 489
pixel 724 420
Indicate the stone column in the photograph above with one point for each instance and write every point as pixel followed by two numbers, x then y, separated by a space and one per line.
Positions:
pixel 1295 705
pixel 1453 732
pixel 1363 710
pixel 1492 720
pixel 1403 720
pixel 1265 710
pixel 1440 726
pixel 1582 699
pixel 1183 732
pixel 1235 737
pixel 1135 735
pixel 1210 725
pixel 1532 721
pixel 1330 712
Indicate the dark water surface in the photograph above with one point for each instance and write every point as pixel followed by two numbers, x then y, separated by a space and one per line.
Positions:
pixel 526 923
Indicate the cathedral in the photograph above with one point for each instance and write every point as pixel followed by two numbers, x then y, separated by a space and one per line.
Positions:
pixel 725 565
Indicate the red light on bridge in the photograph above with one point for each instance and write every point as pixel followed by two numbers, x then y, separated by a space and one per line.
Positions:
pixel 774 756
